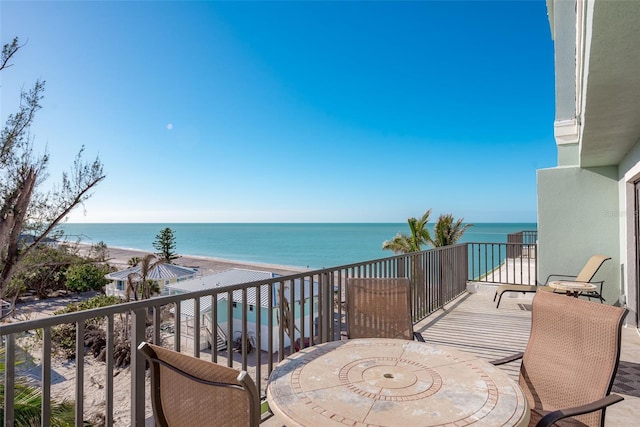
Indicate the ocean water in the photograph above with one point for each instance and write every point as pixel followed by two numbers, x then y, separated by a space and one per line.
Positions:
pixel 296 244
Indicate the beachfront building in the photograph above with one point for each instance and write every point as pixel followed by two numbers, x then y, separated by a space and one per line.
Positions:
pixel 161 274
pixel 590 202
pixel 236 276
pixel 28 239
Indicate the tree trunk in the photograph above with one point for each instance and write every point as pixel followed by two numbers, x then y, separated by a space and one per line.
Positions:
pixel 11 227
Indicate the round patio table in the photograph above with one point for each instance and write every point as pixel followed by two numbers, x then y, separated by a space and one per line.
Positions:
pixel 391 382
pixel 572 288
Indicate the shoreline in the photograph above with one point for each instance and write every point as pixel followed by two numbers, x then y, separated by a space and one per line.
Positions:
pixel 119 257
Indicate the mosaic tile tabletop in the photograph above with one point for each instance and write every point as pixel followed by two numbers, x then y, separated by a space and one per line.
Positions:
pixel 388 382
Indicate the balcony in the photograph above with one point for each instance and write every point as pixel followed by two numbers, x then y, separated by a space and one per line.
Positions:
pixel 270 315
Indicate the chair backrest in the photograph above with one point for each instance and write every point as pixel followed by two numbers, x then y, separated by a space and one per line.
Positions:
pixel 591 268
pixel 188 391
pixel 379 308
pixel 572 355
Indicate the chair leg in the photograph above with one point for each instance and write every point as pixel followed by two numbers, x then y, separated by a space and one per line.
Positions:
pixel 594 295
pixel 499 299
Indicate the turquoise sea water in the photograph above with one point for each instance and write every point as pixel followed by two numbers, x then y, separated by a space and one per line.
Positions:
pixel 300 245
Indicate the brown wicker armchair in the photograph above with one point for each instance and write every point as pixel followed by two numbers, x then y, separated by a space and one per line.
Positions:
pixel 379 308
pixel 187 391
pixel 570 361
pixel 586 275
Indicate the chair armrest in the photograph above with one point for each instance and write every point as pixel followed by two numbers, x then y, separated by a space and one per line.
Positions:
pixel 418 336
pixel 507 359
pixel 564 276
pixel 554 416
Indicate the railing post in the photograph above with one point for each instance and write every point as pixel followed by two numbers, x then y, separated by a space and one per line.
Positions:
pixel 79 373
pixel 466 263
pixel 438 266
pixel 400 261
pixel 326 302
pixel 535 256
pixel 9 380
pixel 45 417
pixel 196 327
pixel 108 420
pixel 138 326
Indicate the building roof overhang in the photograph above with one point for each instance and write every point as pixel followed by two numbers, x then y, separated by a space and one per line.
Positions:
pixel 610 119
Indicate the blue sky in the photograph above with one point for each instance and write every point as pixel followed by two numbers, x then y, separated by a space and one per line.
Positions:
pixel 292 111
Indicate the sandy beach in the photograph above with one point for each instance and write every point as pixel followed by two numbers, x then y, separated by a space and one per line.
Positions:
pixel 119 257
pixel 63 375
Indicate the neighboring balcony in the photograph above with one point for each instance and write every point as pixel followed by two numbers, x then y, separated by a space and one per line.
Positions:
pixel 252 326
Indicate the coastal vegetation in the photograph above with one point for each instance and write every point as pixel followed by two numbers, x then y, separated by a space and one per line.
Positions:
pixel 47 270
pixel 446 231
pixel 27 205
pixel 28 398
pixel 64 336
pixel 41 273
pixel 86 277
pixel 413 242
pixel 165 244
pixel 28 402
pixel 139 286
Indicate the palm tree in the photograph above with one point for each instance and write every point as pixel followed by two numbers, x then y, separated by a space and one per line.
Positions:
pixel 138 283
pixel 447 232
pixel 149 288
pixel 402 243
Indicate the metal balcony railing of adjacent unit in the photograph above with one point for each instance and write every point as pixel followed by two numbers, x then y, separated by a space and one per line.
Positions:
pixel 250 326
pixel 513 262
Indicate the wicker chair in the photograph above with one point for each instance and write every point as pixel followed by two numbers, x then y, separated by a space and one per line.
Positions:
pixel 187 391
pixel 571 360
pixel 379 308
pixel 586 275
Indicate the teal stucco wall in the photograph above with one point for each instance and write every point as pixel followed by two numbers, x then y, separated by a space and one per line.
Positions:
pixel 577 218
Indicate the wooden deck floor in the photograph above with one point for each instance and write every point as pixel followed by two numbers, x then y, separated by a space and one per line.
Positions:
pixel 473 324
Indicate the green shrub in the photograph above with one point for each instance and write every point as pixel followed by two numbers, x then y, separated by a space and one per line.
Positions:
pixel 42 271
pixel 64 336
pixel 86 277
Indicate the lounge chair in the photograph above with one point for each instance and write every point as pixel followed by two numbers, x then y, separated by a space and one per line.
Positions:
pixel 586 275
pixel 188 391
pixel 380 308
pixel 570 361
